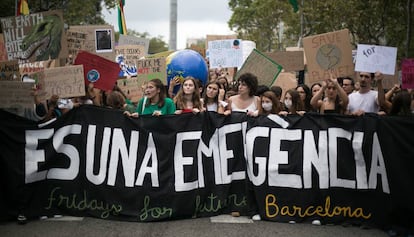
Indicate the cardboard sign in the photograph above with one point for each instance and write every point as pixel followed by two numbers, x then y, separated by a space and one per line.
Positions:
pixel 101 71
pixel 330 52
pixel 3 52
pixel 100 40
pixel 407 71
pixel 199 49
pixel 225 53
pixel 287 81
pixel 290 60
pixel 218 37
pixel 16 94
pixel 29 68
pixel 132 87
pixel 76 42
pixel 372 58
pixel 131 53
pixel 66 82
pixel 9 70
pixel 132 40
pixel 152 68
pixel 35 37
pixel 263 67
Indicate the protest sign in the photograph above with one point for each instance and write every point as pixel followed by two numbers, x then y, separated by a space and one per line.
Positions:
pixel 9 70
pixel 132 88
pixel 407 71
pixel 3 52
pixel 76 42
pixel 260 65
pixel 199 49
pixel 127 57
pixel 289 60
pixel 65 82
pixel 329 52
pixel 133 40
pixel 16 94
pixel 372 58
pixel 152 68
pixel 35 37
pixel 286 80
pixel 218 37
pixel 225 53
pixel 100 39
pixel 102 72
pixel 33 67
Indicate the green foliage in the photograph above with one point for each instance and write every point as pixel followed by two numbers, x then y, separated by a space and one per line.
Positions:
pixel 380 22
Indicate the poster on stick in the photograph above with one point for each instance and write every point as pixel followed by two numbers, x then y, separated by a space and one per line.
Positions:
pixel 261 66
pixel 35 37
pixel 329 52
pixel 372 58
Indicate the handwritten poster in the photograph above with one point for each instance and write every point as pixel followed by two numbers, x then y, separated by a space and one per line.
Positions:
pixel 35 37
pixel 372 58
pixel 225 53
pixel 286 80
pixel 152 68
pixel 9 70
pixel 130 53
pixel 130 39
pixel 329 52
pixel 76 42
pixel 16 94
pixel 407 71
pixel 65 82
pixel 100 39
pixel 263 67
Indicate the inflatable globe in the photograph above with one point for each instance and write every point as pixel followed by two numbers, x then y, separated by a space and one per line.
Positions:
pixel 185 63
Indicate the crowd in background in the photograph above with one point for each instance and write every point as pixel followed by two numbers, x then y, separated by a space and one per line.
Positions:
pixel 223 95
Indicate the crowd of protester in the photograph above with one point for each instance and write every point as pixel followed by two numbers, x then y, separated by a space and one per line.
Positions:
pixel 223 95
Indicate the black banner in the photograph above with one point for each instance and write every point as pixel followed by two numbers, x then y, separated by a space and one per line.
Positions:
pixel 97 162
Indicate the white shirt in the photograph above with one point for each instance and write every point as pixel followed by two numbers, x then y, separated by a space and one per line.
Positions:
pixel 367 102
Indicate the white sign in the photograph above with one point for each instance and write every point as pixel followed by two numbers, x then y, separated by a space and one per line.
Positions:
pixel 372 58
pixel 225 53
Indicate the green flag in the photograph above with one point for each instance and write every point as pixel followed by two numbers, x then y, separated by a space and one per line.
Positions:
pixel 294 4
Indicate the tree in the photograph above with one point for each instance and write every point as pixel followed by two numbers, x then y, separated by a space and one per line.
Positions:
pixel 254 20
pixel 380 22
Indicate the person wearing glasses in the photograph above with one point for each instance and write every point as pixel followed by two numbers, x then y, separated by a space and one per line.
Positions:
pixel 348 85
pixel 365 100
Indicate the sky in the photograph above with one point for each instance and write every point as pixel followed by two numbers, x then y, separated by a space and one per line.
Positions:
pixel 195 18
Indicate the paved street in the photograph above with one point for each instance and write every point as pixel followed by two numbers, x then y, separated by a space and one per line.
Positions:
pixel 192 227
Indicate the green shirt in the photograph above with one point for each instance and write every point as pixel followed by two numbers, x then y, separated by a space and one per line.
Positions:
pixel 168 108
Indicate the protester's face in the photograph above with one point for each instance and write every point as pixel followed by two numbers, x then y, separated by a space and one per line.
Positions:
pixel 315 89
pixel 151 90
pixel 188 87
pixel 365 80
pixel 302 93
pixel 331 91
pixel 212 90
pixel 347 86
pixel 243 88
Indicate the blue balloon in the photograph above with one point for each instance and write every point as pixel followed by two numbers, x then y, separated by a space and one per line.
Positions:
pixel 185 63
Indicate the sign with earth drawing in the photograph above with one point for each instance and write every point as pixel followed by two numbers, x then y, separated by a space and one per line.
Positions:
pixel 35 37
pixel 329 52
